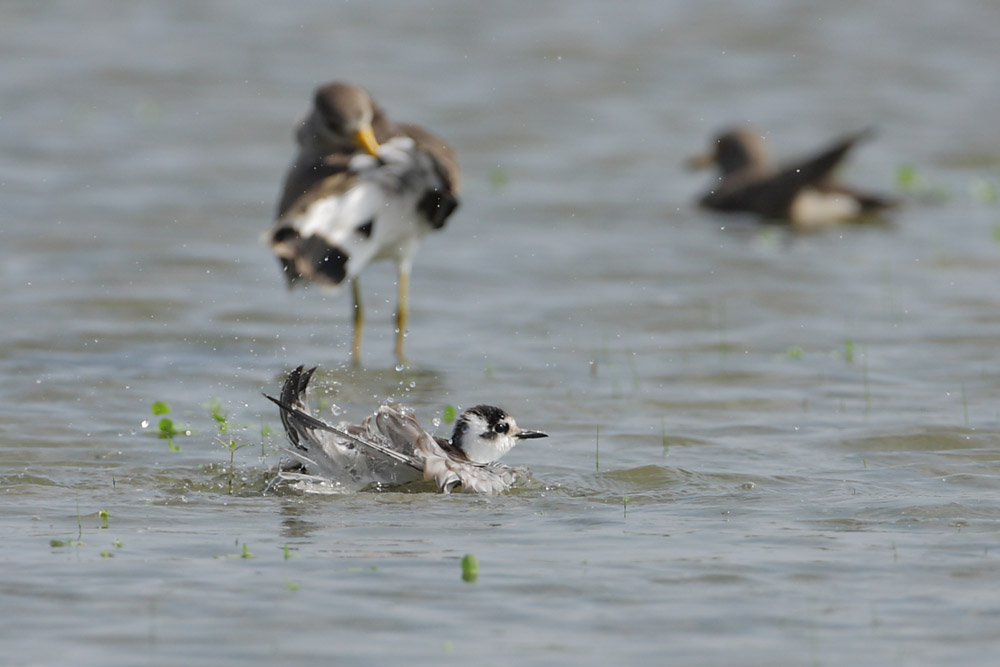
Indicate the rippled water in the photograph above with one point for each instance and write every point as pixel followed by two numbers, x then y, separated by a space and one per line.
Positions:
pixel 766 448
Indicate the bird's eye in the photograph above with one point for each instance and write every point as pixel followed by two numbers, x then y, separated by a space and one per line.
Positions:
pixel 502 427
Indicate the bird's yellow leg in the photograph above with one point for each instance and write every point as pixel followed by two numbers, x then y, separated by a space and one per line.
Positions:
pixel 403 311
pixel 359 320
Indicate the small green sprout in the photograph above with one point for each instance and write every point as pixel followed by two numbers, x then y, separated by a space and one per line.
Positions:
pixel 984 191
pixel 499 177
pixel 291 585
pixel 906 177
pixel 597 449
pixel 448 416
pixel 104 518
pixel 166 426
pixel 246 551
pixel 228 443
pixel 470 568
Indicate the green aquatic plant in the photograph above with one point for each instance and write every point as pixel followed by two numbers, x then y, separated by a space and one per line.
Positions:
pixel 624 507
pixel 906 177
pixel 291 585
pixel 104 518
pixel 499 177
pixel 965 406
pixel 78 542
pixel 909 181
pixel 597 449
pixel 849 351
pixel 166 429
pixel 227 442
pixel 663 435
pixel 448 415
pixel 470 568
pixel 265 434
pixel 983 191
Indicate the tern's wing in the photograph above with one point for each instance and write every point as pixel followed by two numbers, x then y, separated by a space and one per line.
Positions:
pixel 300 421
pixel 293 393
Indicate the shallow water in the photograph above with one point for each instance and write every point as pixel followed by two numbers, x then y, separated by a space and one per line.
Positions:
pixel 765 448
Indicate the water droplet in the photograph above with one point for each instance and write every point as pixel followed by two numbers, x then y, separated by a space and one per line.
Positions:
pixel 144 423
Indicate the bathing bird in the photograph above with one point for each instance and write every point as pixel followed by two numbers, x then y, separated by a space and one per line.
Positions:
pixel 396 449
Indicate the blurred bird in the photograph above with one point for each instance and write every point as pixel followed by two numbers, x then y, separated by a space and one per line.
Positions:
pixel 361 189
pixel 803 193
pixel 400 450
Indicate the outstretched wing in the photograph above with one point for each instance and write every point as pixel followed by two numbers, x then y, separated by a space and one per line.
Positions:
pixel 775 195
pixel 300 421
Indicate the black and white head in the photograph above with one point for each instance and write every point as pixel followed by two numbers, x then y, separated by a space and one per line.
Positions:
pixel 343 117
pixel 484 433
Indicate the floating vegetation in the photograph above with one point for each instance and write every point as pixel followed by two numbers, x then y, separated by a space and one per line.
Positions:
pixel 244 553
pixel 499 177
pixel 470 568
pixel 448 415
pixel 909 181
pixel 906 177
pixel 66 543
pixel 166 430
pixel 104 518
pixel 983 191
pixel 794 352
pixel 849 351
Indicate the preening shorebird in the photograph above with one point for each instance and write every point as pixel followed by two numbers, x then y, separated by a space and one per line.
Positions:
pixel 360 189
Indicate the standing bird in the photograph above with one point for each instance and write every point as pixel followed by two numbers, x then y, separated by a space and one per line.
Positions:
pixel 803 193
pixel 360 189
pixel 400 450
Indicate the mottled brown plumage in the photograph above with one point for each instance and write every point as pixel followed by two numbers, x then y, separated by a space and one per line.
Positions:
pixel 360 189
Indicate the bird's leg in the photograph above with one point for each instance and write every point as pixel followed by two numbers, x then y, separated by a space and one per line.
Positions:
pixel 359 320
pixel 403 309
